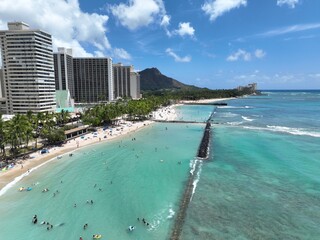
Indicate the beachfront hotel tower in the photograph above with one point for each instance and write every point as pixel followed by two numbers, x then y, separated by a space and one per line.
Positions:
pixel 93 80
pixel 28 71
pixel 126 82
pixel 135 85
pixel 63 70
pixel 63 74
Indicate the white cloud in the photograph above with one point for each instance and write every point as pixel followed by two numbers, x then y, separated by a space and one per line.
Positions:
pixel 240 54
pixel 246 56
pixel 121 53
pixel 314 75
pixel 64 20
pixel 216 8
pixel 138 13
pixel 290 3
pixel 185 29
pixel 165 21
pixel 259 53
pixel 289 29
pixel 177 58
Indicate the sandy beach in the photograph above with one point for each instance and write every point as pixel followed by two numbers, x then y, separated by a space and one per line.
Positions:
pixel 125 127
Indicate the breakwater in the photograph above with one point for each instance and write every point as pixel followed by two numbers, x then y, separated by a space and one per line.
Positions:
pixel 203 153
pixel 184 203
pixel 213 104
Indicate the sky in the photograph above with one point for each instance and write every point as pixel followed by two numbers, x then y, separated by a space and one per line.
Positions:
pixel 218 44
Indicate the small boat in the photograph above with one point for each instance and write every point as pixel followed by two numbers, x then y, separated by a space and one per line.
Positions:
pixel 131 228
pixel 97 236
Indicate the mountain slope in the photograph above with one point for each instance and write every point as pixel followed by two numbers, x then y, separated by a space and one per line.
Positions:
pixel 153 79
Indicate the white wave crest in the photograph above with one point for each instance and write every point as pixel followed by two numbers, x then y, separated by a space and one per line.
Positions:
pixel 247 119
pixel 193 165
pixel 293 131
pixel 171 213
pixel 234 123
pixel 228 114
pixel 195 182
pixel 17 179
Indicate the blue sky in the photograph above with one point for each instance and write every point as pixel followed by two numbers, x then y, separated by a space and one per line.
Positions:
pixel 208 43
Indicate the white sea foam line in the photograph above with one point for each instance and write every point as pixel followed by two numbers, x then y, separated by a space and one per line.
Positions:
pixel 293 131
pixel 171 213
pixel 160 217
pixel 234 123
pixel 17 179
pixel 235 107
pixel 247 119
pixel 193 164
pixel 195 182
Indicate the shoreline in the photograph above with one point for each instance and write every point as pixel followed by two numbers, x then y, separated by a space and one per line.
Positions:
pixel 36 160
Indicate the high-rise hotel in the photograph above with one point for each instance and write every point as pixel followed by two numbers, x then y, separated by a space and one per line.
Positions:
pixel 126 82
pixel 27 69
pixel 93 80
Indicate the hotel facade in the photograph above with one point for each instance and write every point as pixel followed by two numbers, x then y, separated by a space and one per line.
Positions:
pixel 27 69
pixel 126 82
pixel 93 80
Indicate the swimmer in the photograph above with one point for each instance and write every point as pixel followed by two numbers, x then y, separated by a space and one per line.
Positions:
pixel 131 228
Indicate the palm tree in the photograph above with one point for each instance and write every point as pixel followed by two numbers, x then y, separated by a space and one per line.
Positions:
pixel 2 137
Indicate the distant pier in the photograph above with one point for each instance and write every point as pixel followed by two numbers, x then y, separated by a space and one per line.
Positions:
pixel 177 121
pixel 213 104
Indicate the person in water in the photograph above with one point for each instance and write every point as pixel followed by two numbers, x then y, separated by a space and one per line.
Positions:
pixel 85 226
pixel 35 219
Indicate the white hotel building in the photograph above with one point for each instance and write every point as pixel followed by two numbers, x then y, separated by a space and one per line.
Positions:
pixel 27 69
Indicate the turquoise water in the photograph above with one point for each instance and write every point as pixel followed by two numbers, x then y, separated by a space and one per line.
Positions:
pixel 140 178
pixel 262 181
pixel 199 113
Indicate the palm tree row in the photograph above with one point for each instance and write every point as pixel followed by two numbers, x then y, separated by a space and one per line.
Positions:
pixel 17 133
pixel 134 110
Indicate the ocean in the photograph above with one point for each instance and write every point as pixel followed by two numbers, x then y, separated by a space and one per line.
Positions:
pixel 261 180
pixel 263 177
